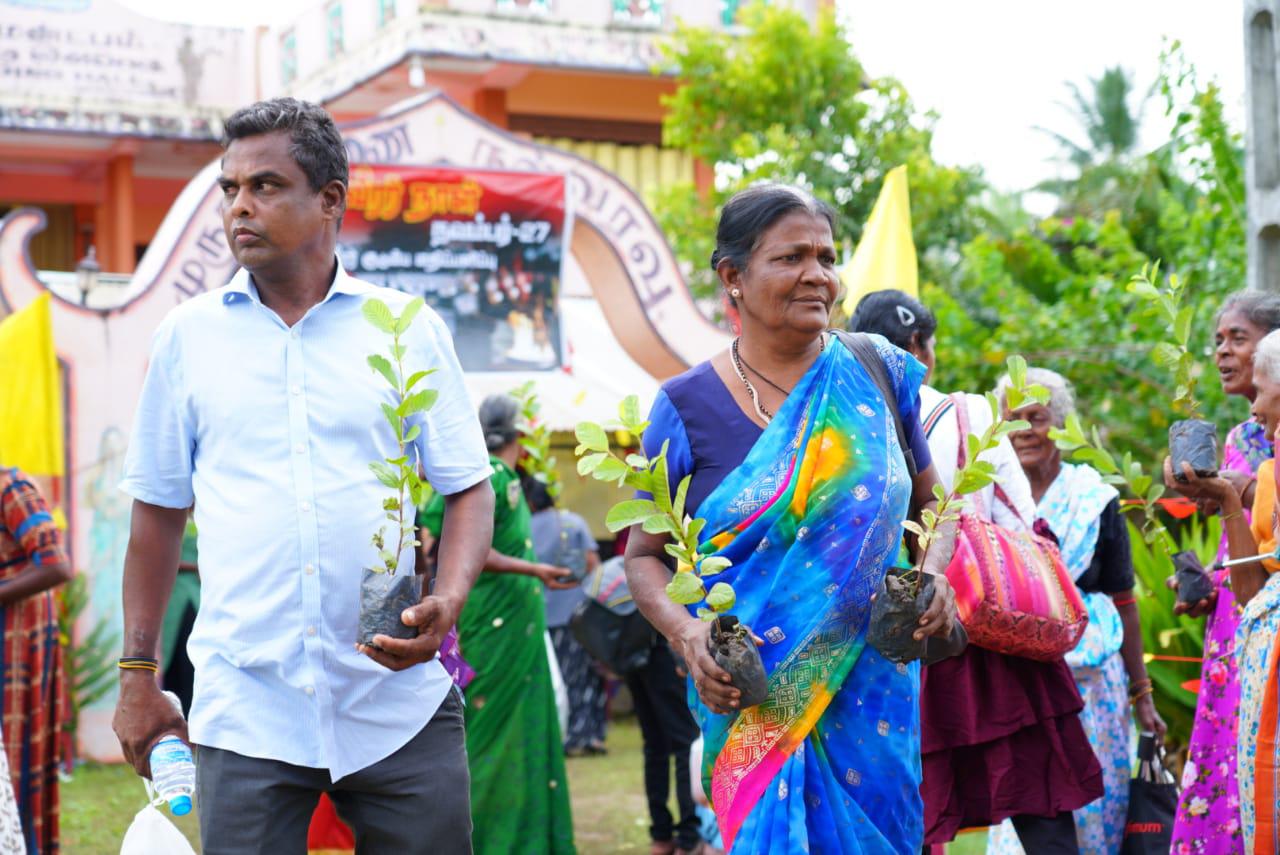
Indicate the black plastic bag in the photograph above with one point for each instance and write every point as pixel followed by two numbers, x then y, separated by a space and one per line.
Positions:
pixel 1194 584
pixel 383 599
pixel 608 624
pixel 1153 800
pixel 736 653
pixel 620 642
pixel 1194 441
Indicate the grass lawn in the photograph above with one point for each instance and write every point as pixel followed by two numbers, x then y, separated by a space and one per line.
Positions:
pixel 609 814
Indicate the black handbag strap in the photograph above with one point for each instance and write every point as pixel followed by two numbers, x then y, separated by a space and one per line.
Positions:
pixel 864 350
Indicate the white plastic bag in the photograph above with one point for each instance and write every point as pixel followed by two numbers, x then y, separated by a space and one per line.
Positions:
pixel 151 832
pixel 557 686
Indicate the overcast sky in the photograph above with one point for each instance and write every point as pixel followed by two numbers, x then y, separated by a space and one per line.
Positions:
pixel 992 69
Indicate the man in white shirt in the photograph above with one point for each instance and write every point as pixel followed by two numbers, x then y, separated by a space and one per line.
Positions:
pixel 259 408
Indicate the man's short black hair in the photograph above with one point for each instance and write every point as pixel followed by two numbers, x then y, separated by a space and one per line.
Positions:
pixel 315 144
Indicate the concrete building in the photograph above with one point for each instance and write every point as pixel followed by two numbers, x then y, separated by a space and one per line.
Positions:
pixel 105 114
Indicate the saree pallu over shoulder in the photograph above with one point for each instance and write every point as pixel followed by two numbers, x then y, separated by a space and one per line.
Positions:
pixel 812 520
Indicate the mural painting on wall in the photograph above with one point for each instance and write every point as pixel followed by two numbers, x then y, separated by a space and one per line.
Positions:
pixel 108 511
pixel 105 351
pixel 485 249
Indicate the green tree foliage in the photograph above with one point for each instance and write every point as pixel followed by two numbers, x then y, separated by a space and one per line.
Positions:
pixel 90 658
pixel 788 101
pixel 1057 292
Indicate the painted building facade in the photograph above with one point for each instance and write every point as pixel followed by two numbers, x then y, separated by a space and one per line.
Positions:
pixel 108 128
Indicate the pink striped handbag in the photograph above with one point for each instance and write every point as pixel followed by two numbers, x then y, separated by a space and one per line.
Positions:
pixel 1013 592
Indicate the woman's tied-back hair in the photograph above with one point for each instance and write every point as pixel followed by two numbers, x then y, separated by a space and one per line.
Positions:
pixel 750 213
pixel 895 315
pixel 498 414
pixel 315 144
pixel 1260 308
pixel 1266 357
pixel 1062 400
pixel 536 494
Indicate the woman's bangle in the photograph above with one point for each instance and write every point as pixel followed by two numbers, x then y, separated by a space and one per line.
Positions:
pixel 1137 696
pixel 139 663
pixel 1233 515
pixel 1138 685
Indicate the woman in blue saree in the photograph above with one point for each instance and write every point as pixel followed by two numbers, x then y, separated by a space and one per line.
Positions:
pixel 796 467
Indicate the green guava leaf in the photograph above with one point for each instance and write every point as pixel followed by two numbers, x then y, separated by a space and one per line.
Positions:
pixel 611 469
pixel 685 589
pixel 383 366
pixel 629 413
pixel 588 463
pixel 714 564
pixel 416 377
pixel 406 317
pixel 592 436
pixel 628 513
pixel 660 524
pixel 418 402
pixel 721 597
pixel 379 314
pixel 387 476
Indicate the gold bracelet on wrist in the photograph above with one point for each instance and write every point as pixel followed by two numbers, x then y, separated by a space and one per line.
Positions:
pixel 1138 685
pixel 1137 696
pixel 1233 515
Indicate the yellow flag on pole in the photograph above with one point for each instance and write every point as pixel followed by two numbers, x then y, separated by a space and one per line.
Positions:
pixel 886 254
pixel 30 396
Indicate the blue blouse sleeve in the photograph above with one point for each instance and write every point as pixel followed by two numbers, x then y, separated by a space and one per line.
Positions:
pixel 916 439
pixel 665 425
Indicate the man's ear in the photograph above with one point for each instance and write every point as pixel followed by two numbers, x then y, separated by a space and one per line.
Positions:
pixel 333 199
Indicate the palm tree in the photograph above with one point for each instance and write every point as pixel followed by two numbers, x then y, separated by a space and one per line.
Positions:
pixel 1109 122
pixel 1110 173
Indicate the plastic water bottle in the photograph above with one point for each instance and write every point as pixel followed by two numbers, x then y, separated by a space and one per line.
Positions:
pixel 173 770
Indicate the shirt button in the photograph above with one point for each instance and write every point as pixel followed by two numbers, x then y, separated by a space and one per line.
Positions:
pixel 309 690
pixel 295 389
pixel 311 630
pixel 306 506
pixel 299 448
pixel 295 332
pixel 311 569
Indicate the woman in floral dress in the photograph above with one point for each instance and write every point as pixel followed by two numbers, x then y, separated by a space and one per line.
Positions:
pixel 1208 818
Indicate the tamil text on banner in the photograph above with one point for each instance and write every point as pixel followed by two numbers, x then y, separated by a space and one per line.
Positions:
pixel 483 248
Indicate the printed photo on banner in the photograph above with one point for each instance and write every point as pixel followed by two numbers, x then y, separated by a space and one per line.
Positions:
pixel 484 249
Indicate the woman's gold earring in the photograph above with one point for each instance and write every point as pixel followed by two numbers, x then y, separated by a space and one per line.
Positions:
pixel 735 293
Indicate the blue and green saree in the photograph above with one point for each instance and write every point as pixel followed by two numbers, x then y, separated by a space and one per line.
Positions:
pixel 811 519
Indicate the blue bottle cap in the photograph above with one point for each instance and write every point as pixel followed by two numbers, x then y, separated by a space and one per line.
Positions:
pixel 180 805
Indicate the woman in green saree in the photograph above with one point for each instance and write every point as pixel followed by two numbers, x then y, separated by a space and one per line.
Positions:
pixel 519 793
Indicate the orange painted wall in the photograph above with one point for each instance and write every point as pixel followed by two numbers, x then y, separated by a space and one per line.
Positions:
pixel 590 96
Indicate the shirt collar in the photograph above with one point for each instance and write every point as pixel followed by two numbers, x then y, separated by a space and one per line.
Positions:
pixel 242 285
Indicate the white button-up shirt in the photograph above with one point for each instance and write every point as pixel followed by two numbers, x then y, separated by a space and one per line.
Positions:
pixel 270 430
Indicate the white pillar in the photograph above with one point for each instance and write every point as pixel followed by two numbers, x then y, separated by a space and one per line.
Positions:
pixel 1262 141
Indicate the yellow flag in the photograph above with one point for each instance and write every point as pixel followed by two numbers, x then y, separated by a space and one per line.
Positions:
pixel 30 395
pixel 886 255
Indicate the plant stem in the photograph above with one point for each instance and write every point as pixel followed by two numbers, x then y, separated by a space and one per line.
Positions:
pixel 397 352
